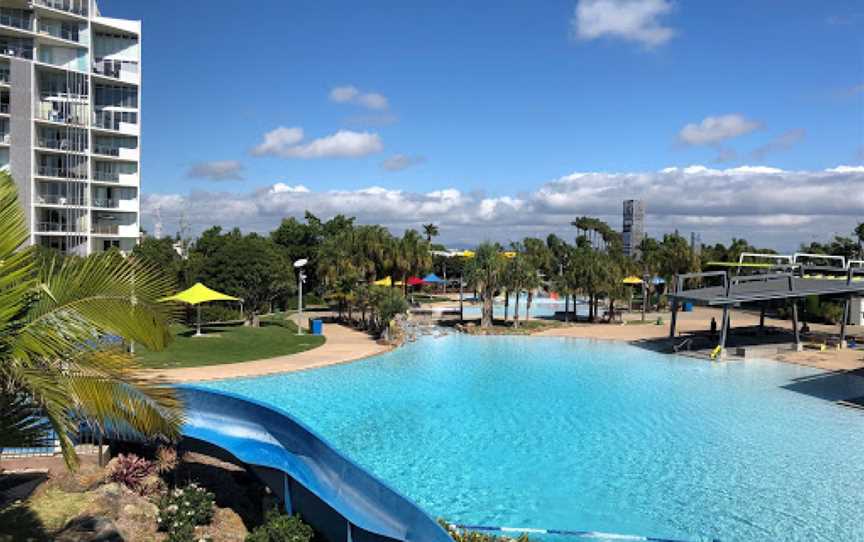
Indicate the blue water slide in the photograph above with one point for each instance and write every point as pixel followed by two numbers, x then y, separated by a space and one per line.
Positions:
pixel 330 491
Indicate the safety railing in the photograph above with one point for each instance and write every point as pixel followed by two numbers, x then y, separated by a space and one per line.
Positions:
pixel 106 150
pixel 5 75
pixel 105 229
pixel 15 20
pixel 106 175
pixel 55 199
pixel 60 32
pixel 111 120
pixel 114 68
pixel 78 7
pixel 19 50
pixel 61 172
pixel 106 203
pixel 58 227
pixel 4 108
pixel 61 144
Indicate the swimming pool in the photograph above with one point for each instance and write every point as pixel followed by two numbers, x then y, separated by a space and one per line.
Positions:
pixel 574 434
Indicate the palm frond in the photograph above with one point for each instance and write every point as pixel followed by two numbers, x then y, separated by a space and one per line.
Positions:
pixel 22 424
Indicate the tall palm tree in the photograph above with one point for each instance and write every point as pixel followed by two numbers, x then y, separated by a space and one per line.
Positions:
pixel 412 256
pixel 431 230
pixel 56 366
pixel 486 273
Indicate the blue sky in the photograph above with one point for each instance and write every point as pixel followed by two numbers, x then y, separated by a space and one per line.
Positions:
pixel 495 100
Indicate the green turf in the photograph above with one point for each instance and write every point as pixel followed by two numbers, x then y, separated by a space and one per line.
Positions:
pixel 229 344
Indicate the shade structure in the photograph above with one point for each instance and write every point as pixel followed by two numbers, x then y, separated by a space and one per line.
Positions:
pixel 632 280
pixel 467 254
pixel 414 281
pixel 387 281
pixel 196 295
pixel 656 281
pixel 432 278
pixel 509 255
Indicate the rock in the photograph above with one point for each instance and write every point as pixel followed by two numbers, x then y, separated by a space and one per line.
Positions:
pixel 90 529
pixel 226 526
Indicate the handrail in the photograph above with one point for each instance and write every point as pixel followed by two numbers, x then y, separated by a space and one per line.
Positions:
pixel 269 439
pixel 820 257
pixel 704 274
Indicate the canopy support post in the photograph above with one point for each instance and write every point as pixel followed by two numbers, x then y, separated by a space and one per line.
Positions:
pixel 796 330
pixel 724 332
pixel 198 323
pixel 762 317
pixel 674 323
pixel 844 321
pixel 461 298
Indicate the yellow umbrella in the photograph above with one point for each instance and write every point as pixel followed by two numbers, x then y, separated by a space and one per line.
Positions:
pixel 632 280
pixel 467 254
pixel 384 282
pixel 196 295
pixel 510 255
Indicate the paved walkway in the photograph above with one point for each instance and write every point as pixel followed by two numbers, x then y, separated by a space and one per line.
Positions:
pixel 343 345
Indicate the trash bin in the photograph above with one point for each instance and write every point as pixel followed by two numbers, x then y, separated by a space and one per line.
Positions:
pixel 317 327
pixel 687 307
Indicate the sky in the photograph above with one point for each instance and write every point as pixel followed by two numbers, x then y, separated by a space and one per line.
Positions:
pixel 499 120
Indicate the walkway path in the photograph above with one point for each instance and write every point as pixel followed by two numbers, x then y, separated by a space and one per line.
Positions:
pixel 343 344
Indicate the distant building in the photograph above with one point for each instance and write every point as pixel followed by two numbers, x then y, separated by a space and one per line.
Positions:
pixel 634 226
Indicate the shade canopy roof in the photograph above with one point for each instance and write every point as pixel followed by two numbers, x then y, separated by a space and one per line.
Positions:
pixel 198 294
pixel 432 278
pixel 632 280
pixel 414 281
pixel 386 281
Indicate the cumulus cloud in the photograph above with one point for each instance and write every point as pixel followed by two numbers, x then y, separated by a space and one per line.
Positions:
pixel 631 20
pixel 220 170
pixel 351 94
pixel 783 142
pixel 716 130
pixel 398 162
pixel 288 143
pixel 766 205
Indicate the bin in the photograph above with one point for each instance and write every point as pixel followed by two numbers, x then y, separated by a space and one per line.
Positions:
pixel 317 327
pixel 687 306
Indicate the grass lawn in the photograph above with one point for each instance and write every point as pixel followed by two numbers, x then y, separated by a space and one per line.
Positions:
pixel 229 344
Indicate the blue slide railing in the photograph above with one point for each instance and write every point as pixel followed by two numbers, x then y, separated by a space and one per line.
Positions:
pixel 336 496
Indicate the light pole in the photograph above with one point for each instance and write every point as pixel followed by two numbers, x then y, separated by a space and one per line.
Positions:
pixel 301 278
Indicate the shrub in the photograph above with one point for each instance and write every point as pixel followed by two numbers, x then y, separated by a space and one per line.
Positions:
pixel 281 528
pixel 166 459
pixel 462 535
pixel 131 471
pixel 184 508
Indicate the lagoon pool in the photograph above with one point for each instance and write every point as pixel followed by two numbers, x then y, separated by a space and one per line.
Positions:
pixel 575 434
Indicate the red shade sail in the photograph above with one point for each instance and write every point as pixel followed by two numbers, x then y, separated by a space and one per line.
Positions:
pixel 414 281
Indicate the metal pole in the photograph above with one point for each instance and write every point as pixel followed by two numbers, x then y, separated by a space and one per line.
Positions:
pixel 844 321
pixel 795 323
pixel 461 300
pixel 724 332
pixel 300 303
pixel 674 323
pixel 762 317
pixel 198 326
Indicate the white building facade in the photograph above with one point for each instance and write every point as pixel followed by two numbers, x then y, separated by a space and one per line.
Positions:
pixel 70 122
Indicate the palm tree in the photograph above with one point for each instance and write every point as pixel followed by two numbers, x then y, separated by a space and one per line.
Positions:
pixel 859 233
pixel 431 230
pixel 412 256
pixel 56 367
pixel 520 276
pixel 485 272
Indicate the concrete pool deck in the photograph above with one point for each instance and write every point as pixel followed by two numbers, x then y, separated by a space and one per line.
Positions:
pixel 343 345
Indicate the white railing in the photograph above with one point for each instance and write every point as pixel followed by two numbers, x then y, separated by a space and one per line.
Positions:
pixel 78 7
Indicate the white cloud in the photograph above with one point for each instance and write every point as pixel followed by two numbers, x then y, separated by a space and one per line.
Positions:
pixel 398 162
pixel 220 170
pixel 782 142
pixel 632 20
pixel 287 143
pixel 715 130
pixel 351 94
pixel 767 206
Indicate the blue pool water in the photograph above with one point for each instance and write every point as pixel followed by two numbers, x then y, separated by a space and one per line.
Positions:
pixel 570 434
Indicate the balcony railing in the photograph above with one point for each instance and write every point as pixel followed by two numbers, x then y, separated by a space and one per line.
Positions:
pixel 61 172
pixel 4 108
pixel 61 144
pixel 106 203
pixel 106 150
pixel 107 176
pixel 16 49
pixel 114 68
pixel 109 120
pixel 55 199
pixel 78 7
pixel 60 32
pixel 76 115
pixel 5 75
pixel 5 138
pixel 58 227
pixel 105 229
pixel 15 20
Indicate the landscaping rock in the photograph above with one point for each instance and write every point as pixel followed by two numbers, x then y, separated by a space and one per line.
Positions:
pixel 226 526
pixel 90 529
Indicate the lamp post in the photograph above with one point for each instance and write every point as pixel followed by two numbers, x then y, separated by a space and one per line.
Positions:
pixel 301 278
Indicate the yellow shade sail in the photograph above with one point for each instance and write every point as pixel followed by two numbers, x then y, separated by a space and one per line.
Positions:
pixel 198 294
pixel 467 254
pixel 509 255
pixel 632 280
pixel 387 281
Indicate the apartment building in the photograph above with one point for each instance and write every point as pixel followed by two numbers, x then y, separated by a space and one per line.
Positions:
pixel 70 119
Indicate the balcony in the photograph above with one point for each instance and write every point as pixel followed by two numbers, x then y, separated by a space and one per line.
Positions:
pixel 5 75
pixel 66 114
pixel 61 172
pixel 118 121
pixel 5 138
pixel 16 18
pixel 4 108
pixel 62 144
pixel 17 49
pixel 105 229
pixel 106 203
pixel 58 227
pixel 76 7
pixel 106 175
pixel 123 70
pixel 60 200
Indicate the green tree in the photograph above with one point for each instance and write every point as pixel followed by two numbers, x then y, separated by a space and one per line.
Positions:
pixel 55 366
pixel 431 231
pixel 161 254
pixel 520 276
pixel 485 272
